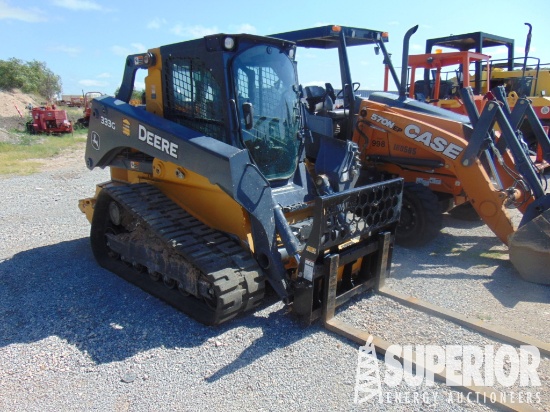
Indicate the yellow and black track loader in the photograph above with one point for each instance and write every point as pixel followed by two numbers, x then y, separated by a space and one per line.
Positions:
pixel 217 185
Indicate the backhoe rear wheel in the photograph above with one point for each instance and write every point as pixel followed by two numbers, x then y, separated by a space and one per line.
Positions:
pixel 421 217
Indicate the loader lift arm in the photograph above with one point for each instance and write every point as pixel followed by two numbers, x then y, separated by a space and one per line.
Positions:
pixel 523 111
pixel 477 164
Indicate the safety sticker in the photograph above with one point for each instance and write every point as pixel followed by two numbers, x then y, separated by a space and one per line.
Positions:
pixel 308 269
pixel 126 127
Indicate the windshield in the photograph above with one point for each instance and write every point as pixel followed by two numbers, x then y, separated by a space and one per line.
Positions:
pixel 265 78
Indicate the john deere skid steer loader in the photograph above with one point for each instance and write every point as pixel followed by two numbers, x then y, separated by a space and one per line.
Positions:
pixel 217 185
pixel 441 155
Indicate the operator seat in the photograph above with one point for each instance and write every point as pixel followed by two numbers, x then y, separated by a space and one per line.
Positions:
pixel 321 102
pixel 318 100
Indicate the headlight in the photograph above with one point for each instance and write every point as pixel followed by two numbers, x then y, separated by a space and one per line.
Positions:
pixel 229 43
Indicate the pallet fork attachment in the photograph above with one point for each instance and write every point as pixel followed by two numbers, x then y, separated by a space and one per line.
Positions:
pixel 323 287
pixel 352 240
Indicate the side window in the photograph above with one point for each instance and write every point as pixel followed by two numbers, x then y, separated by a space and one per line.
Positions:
pixel 194 97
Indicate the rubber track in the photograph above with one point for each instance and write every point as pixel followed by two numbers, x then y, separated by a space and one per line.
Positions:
pixel 231 270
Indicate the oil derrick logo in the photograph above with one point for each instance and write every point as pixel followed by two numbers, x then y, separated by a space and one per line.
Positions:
pixel 367 378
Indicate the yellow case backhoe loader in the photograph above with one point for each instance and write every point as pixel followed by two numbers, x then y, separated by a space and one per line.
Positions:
pixel 441 155
pixel 217 185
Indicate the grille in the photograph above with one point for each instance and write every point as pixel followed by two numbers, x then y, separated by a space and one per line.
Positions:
pixel 194 97
pixel 344 216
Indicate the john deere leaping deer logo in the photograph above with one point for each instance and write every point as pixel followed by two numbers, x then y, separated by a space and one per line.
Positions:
pixel 95 140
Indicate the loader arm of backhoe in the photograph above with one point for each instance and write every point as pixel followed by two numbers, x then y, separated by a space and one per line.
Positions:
pixel 492 169
pixel 444 142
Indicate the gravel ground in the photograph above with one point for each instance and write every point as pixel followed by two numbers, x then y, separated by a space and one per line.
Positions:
pixel 76 337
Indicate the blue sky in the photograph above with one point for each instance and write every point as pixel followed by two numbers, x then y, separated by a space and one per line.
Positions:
pixel 86 41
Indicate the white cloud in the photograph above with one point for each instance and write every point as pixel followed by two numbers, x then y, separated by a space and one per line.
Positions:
pixel 140 47
pixel 156 23
pixel 393 23
pixel 121 51
pixel 93 83
pixel 417 47
pixel 125 51
pixel 32 15
pixel 78 4
pixel 104 75
pixel 71 51
pixel 244 28
pixel 304 54
pixel 193 31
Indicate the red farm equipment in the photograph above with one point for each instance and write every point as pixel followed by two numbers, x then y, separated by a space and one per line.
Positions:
pixel 49 120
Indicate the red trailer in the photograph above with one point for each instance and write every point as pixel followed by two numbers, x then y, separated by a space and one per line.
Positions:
pixel 49 120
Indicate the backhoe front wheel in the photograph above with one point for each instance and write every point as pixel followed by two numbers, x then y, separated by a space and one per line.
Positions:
pixel 421 217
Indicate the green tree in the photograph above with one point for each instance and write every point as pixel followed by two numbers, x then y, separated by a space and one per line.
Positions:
pixel 30 77
pixel 136 94
pixel 10 74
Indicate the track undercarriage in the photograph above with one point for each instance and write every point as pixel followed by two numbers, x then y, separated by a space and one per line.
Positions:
pixel 144 237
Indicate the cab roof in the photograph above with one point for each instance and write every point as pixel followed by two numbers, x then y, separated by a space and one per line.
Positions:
pixel 327 37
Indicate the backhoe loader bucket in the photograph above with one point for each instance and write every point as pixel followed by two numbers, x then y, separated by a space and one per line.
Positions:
pixel 529 249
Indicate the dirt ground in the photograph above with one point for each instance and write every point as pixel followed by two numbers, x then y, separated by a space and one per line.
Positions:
pixel 13 113
pixel 15 101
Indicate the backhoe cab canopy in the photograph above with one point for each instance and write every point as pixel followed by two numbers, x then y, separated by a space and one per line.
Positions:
pixel 337 37
pixel 328 37
pixel 439 88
